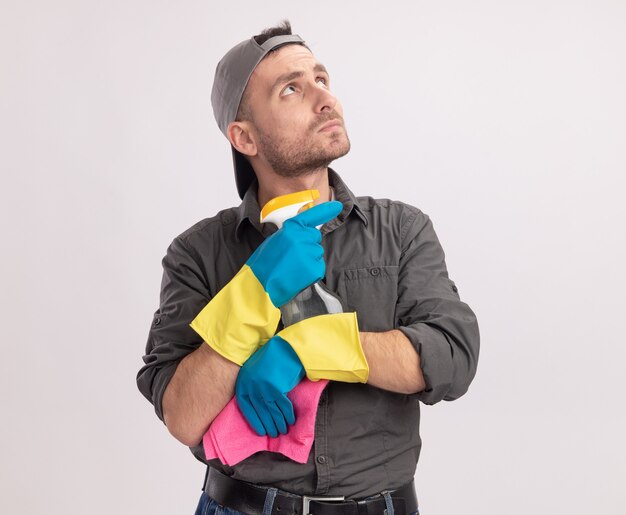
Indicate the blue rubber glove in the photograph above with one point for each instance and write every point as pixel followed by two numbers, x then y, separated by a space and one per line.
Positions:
pixel 262 386
pixel 292 258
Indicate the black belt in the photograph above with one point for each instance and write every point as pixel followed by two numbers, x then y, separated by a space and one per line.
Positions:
pixel 250 499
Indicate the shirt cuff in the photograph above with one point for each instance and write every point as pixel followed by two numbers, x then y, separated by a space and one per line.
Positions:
pixel 435 360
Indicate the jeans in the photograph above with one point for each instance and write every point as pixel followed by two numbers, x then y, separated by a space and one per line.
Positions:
pixel 208 506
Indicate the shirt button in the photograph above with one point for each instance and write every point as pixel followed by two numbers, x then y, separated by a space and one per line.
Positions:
pixel 375 271
pixel 321 459
pixel 157 321
pixel 455 289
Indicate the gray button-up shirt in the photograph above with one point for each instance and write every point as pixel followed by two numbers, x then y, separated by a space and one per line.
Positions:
pixel 384 260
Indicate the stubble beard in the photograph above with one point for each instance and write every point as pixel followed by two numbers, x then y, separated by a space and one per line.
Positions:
pixel 298 158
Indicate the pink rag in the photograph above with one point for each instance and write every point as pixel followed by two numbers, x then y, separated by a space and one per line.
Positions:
pixel 231 439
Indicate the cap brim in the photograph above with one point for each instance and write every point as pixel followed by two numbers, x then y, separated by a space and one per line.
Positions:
pixel 244 173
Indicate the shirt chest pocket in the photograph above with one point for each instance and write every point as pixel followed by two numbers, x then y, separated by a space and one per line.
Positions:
pixel 372 292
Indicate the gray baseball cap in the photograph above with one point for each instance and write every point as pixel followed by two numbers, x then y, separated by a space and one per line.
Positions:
pixel 231 77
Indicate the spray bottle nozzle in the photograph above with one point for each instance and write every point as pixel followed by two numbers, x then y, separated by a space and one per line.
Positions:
pixel 284 207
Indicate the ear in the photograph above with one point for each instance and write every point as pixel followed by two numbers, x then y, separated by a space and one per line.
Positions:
pixel 242 138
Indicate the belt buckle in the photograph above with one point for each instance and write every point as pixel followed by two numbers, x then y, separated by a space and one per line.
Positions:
pixel 306 499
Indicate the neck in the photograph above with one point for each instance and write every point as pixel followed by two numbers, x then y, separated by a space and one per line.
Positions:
pixel 277 186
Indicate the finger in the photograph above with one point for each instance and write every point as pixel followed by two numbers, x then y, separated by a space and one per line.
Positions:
pixel 277 416
pixel 286 408
pixel 313 236
pixel 318 252
pixel 311 246
pixel 260 407
pixel 319 214
pixel 249 413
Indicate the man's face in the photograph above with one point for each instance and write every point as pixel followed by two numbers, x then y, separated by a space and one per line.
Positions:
pixel 298 121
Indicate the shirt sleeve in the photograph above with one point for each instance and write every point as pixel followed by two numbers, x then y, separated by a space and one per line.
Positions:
pixel 183 294
pixel 442 329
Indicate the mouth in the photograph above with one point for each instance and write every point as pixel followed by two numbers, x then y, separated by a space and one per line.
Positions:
pixel 330 126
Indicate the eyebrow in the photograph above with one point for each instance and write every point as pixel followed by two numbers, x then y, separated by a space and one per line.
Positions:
pixel 288 77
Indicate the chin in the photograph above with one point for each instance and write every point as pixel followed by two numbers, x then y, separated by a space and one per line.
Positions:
pixel 339 148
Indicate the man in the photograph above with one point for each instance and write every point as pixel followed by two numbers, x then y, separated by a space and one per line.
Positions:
pixel 273 101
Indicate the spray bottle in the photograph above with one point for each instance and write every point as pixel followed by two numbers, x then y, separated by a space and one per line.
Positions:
pixel 316 299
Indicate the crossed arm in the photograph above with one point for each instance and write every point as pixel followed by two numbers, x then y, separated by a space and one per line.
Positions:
pixel 204 381
pixel 433 351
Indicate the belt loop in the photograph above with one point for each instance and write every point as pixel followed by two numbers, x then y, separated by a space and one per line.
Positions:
pixel 388 502
pixel 206 476
pixel 269 501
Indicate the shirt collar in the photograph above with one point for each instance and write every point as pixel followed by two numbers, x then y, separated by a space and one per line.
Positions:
pixel 250 212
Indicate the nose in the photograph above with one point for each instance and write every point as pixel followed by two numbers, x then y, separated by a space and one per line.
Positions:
pixel 325 100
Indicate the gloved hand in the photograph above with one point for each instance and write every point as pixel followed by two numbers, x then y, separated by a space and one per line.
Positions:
pixel 262 386
pixel 292 258
pixel 245 313
pixel 325 346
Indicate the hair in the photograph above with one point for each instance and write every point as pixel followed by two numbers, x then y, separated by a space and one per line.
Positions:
pixel 282 29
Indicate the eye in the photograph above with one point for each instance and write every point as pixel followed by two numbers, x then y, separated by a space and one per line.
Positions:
pixel 323 81
pixel 286 90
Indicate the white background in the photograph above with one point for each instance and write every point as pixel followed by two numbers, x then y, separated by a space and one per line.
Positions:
pixel 505 121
